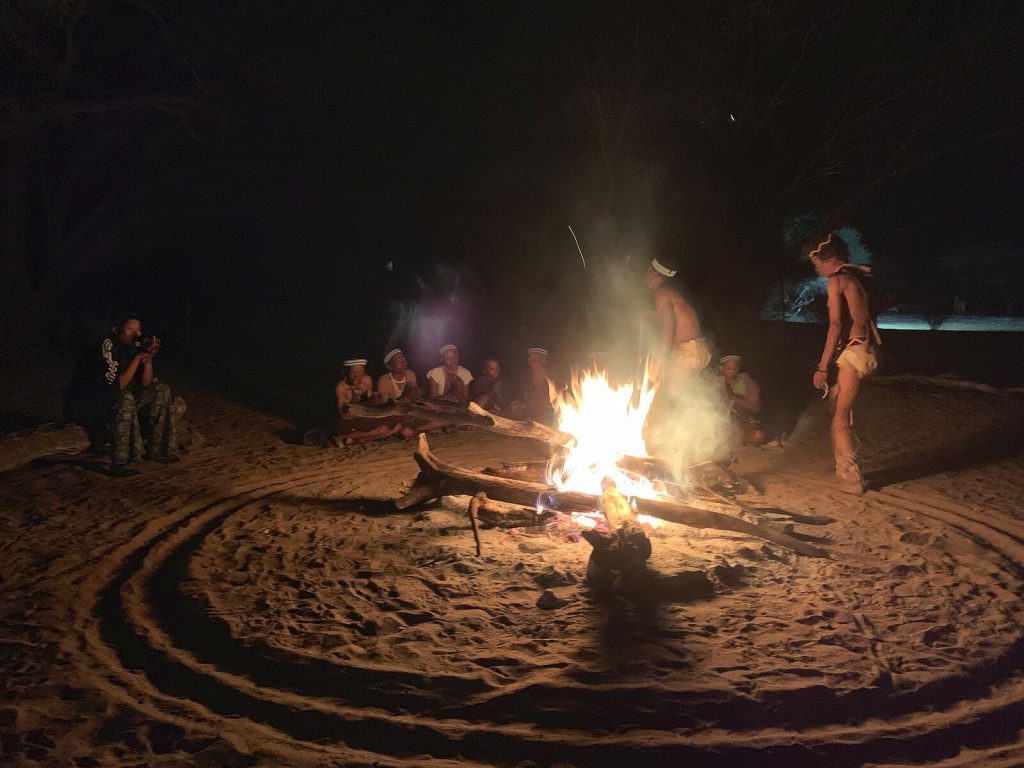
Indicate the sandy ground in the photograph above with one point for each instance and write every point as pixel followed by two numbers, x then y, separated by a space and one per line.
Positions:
pixel 261 604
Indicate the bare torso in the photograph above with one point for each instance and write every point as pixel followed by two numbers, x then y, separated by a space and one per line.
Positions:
pixel 679 323
pixel 855 301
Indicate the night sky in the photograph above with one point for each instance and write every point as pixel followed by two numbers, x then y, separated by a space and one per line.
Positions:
pixel 329 178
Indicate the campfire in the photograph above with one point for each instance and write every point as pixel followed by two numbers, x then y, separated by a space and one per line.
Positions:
pixel 600 473
pixel 607 427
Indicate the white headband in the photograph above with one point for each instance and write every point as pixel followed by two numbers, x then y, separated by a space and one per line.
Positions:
pixel 727 358
pixel 446 347
pixel 390 355
pixel 537 350
pixel 661 269
pixel 354 361
pixel 821 245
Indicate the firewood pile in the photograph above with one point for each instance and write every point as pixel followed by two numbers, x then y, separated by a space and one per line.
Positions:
pixel 519 496
pixel 517 485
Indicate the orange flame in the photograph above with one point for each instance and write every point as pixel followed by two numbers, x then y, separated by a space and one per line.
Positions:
pixel 608 424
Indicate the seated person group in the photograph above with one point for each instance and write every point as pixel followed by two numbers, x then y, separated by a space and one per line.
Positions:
pixel 447 384
pixel 534 398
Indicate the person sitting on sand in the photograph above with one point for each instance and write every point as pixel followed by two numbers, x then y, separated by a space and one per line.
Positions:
pixel 357 388
pixel 851 343
pixel 682 350
pixel 743 396
pixel 399 383
pixel 488 389
pixel 116 385
pixel 450 381
pixel 538 393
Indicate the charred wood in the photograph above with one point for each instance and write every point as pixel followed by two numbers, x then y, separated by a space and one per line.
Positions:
pixel 456 480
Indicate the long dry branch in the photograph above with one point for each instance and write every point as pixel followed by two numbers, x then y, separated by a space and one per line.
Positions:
pixel 419 409
pixel 448 479
pixel 474 416
pixel 531 429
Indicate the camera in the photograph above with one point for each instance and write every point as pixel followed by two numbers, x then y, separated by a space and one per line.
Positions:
pixel 146 344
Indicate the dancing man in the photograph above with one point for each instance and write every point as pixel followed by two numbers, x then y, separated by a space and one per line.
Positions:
pixel 851 341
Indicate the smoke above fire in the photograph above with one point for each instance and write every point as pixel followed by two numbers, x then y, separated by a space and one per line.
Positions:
pixel 694 426
pixel 611 404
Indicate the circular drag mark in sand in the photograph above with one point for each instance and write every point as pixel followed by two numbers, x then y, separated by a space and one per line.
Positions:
pixel 314 628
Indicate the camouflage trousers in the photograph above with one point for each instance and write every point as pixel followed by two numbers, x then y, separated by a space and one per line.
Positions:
pixel 149 406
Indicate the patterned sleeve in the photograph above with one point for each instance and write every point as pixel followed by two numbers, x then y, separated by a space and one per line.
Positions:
pixel 107 350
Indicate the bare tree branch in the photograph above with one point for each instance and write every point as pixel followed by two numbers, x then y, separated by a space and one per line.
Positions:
pixel 185 108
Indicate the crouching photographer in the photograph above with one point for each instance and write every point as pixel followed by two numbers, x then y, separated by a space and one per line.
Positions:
pixel 118 388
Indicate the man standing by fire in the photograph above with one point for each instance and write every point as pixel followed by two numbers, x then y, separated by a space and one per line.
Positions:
pixel 852 340
pixel 681 351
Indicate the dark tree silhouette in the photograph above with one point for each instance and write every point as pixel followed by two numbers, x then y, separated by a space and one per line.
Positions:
pixel 83 79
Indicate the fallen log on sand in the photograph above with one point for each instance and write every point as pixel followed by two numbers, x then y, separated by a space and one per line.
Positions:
pixel 531 471
pixel 474 416
pixel 19 449
pixel 495 514
pixel 438 478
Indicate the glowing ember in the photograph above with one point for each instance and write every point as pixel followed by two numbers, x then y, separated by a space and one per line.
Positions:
pixel 608 424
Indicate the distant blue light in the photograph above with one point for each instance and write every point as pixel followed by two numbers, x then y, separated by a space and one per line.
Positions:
pixel 980 323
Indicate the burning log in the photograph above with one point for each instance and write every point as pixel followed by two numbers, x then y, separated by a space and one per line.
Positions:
pixel 621 553
pixel 438 478
pixel 648 466
pixel 615 506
